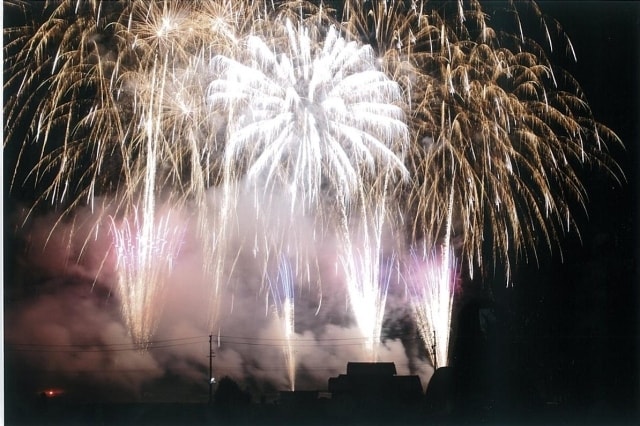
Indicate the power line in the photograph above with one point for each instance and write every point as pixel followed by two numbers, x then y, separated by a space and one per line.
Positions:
pixel 104 349
pixel 185 341
pixel 45 348
pixel 293 343
pixel 151 342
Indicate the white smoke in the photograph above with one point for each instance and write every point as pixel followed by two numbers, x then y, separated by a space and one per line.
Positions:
pixel 64 307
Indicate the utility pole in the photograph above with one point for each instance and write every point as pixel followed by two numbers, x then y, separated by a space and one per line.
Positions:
pixel 211 355
pixel 435 355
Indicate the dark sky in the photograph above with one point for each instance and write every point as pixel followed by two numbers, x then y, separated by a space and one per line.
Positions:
pixel 579 317
pixel 570 325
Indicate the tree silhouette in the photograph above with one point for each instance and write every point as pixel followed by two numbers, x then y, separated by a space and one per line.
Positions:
pixel 228 393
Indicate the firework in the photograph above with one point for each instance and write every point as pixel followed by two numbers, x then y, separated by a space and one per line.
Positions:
pixel 146 248
pixel 312 117
pixel 283 294
pixel 414 123
pixel 366 273
pixel 430 280
pixel 490 113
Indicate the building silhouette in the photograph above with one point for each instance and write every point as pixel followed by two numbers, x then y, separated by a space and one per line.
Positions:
pixel 375 382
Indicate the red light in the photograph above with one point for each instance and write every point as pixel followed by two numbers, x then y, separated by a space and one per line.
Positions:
pixel 52 393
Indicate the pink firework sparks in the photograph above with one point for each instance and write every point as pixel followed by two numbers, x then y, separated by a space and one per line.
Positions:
pixel 430 280
pixel 146 249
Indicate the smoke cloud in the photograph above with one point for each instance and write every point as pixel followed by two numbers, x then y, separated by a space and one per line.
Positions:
pixel 66 321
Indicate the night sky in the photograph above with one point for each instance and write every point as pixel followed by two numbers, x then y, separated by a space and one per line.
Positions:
pixel 581 315
pixel 569 323
pixel 573 320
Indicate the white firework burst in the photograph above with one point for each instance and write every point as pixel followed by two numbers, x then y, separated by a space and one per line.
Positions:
pixel 309 115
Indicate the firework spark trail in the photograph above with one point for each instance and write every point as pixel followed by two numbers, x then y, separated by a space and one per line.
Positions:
pixel 366 275
pixel 312 116
pixel 367 293
pixel 146 248
pixel 138 101
pixel 472 99
pixel 489 108
pixel 283 293
pixel 430 280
